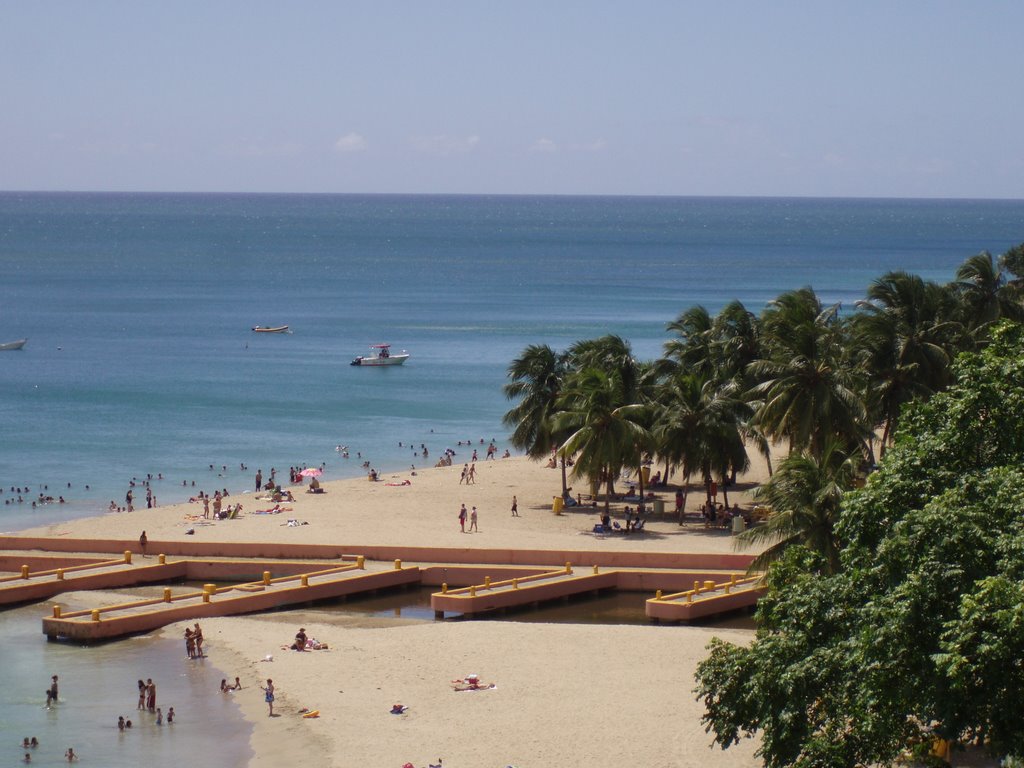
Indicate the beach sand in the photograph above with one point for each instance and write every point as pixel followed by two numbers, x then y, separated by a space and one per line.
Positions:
pixel 568 695
pixel 423 513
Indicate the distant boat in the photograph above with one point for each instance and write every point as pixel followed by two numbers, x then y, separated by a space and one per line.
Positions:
pixel 275 329
pixel 382 356
pixel 10 345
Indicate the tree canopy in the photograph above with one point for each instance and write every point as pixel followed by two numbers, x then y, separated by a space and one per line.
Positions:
pixel 919 632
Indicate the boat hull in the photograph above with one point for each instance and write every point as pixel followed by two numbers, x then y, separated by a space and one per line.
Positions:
pixel 12 345
pixel 276 329
pixel 374 360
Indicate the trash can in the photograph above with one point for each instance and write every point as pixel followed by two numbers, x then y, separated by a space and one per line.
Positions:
pixel 659 506
pixel 645 473
pixel 557 503
pixel 739 525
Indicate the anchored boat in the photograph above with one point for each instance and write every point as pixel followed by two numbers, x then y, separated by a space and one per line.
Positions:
pixel 275 329
pixel 11 345
pixel 381 356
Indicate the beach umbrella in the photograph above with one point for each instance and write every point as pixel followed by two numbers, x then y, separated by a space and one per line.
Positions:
pixel 311 472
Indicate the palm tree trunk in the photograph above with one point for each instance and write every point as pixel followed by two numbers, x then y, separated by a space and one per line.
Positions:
pixel 640 477
pixel 565 487
pixel 725 491
pixel 885 438
pixel 686 493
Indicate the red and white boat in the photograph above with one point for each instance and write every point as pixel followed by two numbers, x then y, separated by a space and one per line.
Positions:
pixel 381 356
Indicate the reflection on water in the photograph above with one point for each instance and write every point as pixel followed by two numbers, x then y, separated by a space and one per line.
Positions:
pixel 611 607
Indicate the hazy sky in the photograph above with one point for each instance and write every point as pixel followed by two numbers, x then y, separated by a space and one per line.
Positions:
pixel 898 98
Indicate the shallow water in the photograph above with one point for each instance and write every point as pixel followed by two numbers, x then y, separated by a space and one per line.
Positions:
pixel 97 684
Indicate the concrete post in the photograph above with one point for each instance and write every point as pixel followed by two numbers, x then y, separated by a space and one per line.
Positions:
pixel 398 565
pixel 266 578
pixel 24 571
pixel 487 582
pixel 444 588
pixel 60 574
pixel 167 594
pixel 95 614
pixel 305 580
pixel 56 611
pixel 127 557
pixel 162 559
pixel 361 562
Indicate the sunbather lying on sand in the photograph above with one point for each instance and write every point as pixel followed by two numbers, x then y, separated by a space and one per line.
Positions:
pixel 472 683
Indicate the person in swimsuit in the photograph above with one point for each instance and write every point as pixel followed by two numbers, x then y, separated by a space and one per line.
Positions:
pixel 268 696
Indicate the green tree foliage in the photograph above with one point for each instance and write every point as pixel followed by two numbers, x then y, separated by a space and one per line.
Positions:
pixel 806 494
pixel 920 631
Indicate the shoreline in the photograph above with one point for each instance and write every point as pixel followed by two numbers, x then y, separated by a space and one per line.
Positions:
pixel 620 694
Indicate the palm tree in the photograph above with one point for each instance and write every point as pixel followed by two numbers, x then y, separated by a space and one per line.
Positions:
pixel 536 382
pixel 698 428
pixel 692 350
pixel 604 431
pixel 985 294
pixel 611 354
pixel 806 494
pixel 736 341
pixel 807 388
pixel 905 337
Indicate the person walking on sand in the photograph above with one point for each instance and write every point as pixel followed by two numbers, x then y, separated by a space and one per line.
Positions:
pixel 465 474
pixel 268 696
pixel 515 507
pixel 472 521
pixel 143 541
pixel 462 518
pixel 471 478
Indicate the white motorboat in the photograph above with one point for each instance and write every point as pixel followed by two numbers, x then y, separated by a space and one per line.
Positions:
pixel 11 345
pixel 270 329
pixel 381 356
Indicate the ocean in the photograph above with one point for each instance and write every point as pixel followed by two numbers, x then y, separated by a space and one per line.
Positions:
pixel 140 360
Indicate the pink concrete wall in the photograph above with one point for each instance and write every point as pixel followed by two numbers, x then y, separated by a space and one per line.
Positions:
pixel 280 550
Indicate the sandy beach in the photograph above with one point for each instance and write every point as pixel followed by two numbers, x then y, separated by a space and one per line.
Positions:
pixel 423 512
pixel 570 695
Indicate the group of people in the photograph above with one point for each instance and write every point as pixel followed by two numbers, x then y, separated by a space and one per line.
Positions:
pixel 721 516
pixel 471 516
pixel 194 642
pixel 305 643
pixel 69 755
pixel 469 472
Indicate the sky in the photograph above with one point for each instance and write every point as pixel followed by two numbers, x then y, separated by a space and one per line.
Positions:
pixel 901 98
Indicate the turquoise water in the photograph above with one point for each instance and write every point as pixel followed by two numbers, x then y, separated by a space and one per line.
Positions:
pixel 138 310
pixel 97 684
pixel 140 359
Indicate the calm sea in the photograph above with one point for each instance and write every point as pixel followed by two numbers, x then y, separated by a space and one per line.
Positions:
pixel 138 310
pixel 140 360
